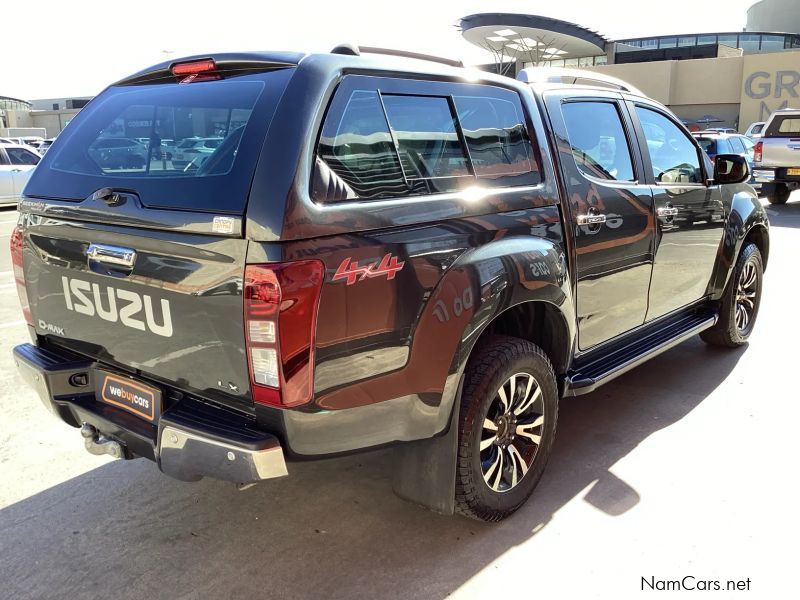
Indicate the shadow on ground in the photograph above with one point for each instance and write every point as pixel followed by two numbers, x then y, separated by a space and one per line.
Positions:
pixel 785 215
pixel 333 529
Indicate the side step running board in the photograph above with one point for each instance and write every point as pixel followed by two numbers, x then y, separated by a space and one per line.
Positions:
pixel 595 371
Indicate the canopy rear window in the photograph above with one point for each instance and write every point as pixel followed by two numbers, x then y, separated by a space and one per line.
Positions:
pixel 186 146
pixel 784 126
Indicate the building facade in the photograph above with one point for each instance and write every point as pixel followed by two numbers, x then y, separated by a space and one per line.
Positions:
pixel 728 79
pixel 20 117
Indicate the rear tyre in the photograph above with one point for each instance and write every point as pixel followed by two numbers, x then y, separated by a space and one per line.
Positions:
pixel 780 195
pixel 740 302
pixel 507 423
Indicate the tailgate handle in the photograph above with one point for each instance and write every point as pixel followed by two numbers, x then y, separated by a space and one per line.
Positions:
pixel 110 255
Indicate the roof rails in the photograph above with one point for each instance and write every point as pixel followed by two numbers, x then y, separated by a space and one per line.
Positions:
pixel 353 50
pixel 574 77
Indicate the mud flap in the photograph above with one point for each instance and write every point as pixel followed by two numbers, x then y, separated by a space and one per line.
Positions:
pixel 425 470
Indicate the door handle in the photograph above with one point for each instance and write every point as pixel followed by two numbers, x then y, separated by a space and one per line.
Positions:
pixel 591 219
pixel 665 212
pixel 111 256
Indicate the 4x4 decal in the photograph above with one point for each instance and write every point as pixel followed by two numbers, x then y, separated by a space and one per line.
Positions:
pixel 389 265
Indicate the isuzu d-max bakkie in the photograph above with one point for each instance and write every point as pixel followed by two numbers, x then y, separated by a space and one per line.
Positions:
pixel 378 250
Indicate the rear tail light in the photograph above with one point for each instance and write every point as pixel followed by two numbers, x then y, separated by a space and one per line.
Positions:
pixel 280 315
pixel 757 152
pixel 17 243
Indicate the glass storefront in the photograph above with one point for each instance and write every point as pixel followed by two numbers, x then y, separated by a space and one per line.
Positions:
pixel 751 43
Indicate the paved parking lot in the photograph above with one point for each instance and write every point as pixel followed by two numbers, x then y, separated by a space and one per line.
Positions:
pixel 686 466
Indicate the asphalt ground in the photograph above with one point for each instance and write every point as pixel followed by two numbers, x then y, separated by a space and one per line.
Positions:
pixel 684 469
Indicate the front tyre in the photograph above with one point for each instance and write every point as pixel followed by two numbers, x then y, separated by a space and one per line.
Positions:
pixel 740 302
pixel 507 422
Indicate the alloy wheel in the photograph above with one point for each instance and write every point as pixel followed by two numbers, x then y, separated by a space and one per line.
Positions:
pixel 746 294
pixel 512 432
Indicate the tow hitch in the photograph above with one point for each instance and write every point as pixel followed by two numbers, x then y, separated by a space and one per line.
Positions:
pixel 97 443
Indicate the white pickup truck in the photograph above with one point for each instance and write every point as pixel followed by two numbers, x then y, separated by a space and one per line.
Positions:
pixel 776 160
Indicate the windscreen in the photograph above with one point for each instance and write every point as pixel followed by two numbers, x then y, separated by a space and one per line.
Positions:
pixel 186 146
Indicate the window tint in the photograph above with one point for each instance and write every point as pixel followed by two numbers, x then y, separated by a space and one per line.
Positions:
pixel 20 156
pixel 784 126
pixel 598 140
pixel 707 144
pixel 403 141
pixel 238 108
pixel 131 125
pixel 672 154
pixel 757 128
pixel 496 137
pixel 736 145
pixel 427 138
pixel 359 149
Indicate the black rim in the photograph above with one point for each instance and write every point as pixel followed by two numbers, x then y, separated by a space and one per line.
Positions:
pixel 746 297
pixel 512 432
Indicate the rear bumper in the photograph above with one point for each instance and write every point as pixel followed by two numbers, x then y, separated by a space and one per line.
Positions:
pixel 190 440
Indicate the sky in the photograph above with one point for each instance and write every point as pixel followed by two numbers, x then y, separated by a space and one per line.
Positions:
pixel 55 49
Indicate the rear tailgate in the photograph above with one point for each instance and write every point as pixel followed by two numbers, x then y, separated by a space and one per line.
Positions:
pixel 780 144
pixel 175 315
pixel 139 262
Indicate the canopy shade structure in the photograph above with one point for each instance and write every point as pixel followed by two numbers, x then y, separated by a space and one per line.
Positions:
pixel 531 38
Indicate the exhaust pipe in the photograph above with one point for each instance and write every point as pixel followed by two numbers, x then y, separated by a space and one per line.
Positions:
pixel 98 444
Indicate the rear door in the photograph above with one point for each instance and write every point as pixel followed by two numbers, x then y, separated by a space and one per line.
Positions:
pixel 690 213
pixel 141 265
pixel 611 211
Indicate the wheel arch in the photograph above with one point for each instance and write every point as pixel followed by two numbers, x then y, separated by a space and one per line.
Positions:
pixel 538 322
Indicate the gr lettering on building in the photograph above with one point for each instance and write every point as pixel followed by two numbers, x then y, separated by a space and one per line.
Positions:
pixel 774 90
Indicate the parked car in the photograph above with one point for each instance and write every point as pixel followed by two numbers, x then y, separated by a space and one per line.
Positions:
pixel 728 143
pixel 16 163
pixel 755 129
pixel 45 146
pixel 383 251
pixel 719 130
pixel 777 156
pixel 193 151
pixel 115 153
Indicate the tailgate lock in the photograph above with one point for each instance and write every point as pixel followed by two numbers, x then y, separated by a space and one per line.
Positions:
pixel 98 444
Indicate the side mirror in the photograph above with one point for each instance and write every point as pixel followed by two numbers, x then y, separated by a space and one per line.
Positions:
pixel 731 168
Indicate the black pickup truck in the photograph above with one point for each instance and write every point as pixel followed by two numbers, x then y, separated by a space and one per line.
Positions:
pixel 375 250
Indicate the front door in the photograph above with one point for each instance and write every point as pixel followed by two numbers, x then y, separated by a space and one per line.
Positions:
pixel 611 211
pixel 690 213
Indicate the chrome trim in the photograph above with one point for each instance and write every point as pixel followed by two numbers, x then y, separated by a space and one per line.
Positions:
pixel 591 219
pixel 111 255
pixel 189 456
pixel 666 211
